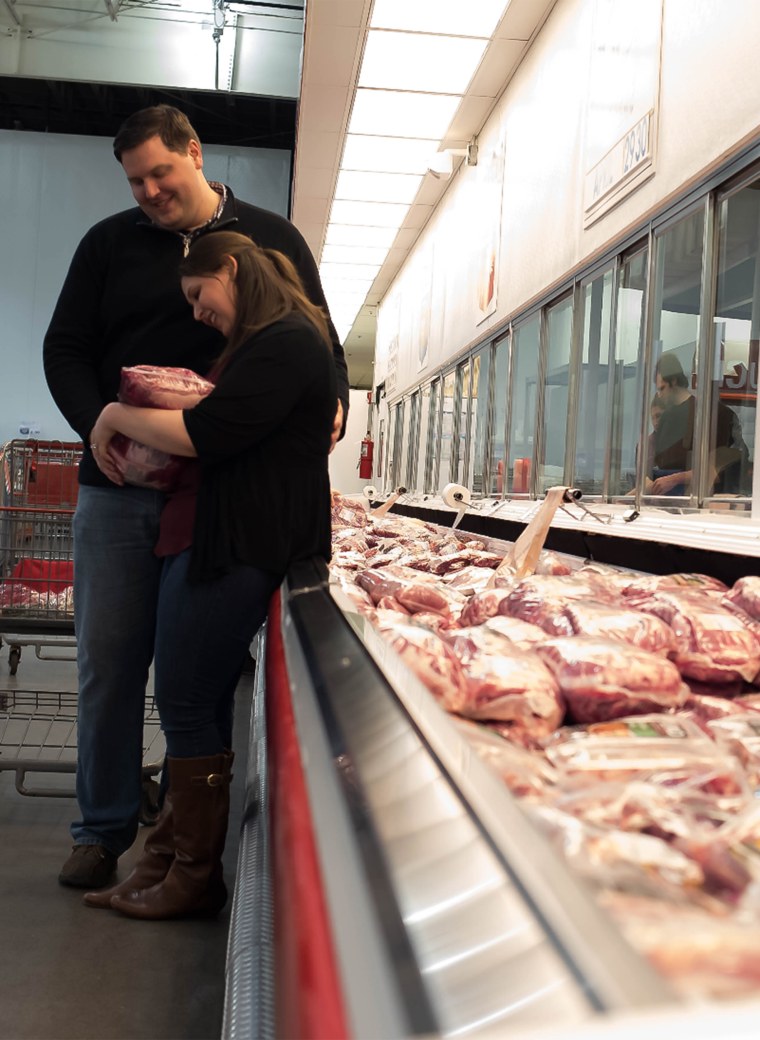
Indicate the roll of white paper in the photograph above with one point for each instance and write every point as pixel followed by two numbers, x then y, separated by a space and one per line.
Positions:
pixel 456 495
pixel 370 492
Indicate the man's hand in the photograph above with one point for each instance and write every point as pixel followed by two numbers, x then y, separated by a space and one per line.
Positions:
pixel 100 441
pixel 337 426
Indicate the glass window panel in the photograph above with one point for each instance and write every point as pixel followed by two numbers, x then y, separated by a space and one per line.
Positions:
pixel 459 460
pixel 481 367
pixel 396 442
pixel 522 421
pixel 628 390
pixel 591 436
pixel 678 299
pixel 559 325
pixel 447 430
pixel 432 455
pixel 410 480
pixel 497 453
pixel 733 396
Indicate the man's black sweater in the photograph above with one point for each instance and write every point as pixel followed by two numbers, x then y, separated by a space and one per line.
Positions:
pixel 121 304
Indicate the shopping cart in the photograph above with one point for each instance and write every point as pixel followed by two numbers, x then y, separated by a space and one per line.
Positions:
pixel 38 735
pixel 38 493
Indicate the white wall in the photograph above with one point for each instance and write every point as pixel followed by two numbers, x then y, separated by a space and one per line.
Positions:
pixel 54 187
pixel 344 461
pixel 556 119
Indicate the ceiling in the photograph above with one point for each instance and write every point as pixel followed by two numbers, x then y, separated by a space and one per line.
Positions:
pixel 236 67
pixel 335 37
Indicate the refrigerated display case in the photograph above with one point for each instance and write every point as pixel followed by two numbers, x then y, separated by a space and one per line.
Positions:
pixel 389 885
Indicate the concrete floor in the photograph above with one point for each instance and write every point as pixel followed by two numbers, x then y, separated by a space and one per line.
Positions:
pixel 68 972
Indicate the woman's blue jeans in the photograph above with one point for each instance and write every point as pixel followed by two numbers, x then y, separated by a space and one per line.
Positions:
pixel 203 633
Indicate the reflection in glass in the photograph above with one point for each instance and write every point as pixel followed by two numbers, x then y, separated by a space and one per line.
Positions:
pixel 481 367
pixel 522 424
pixel 458 470
pixel 593 385
pixel 559 325
pixel 413 446
pixel 677 303
pixel 446 431
pixel 736 339
pixel 497 453
pixel 433 439
pixel 628 389
pixel 395 445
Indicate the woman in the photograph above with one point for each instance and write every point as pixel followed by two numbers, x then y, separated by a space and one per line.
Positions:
pixel 258 500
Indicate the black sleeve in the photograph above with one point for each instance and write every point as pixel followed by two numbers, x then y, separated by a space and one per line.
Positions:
pixel 72 345
pixel 264 384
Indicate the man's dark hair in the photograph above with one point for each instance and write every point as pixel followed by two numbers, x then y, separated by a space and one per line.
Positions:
pixel 164 121
pixel 670 371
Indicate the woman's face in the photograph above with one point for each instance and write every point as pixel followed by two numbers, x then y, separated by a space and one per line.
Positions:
pixel 212 297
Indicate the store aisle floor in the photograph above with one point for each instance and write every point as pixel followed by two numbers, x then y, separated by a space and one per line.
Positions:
pixel 68 972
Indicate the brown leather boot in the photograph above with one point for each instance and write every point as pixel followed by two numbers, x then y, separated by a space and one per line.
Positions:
pixel 199 789
pixel 151 867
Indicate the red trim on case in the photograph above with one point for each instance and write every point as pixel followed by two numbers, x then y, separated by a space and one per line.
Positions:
pixel 308 1000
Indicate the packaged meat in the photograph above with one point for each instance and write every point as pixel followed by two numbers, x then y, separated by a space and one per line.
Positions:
pixel 740 735
pixel 507 684
pixel 616 622
pixel 600 680
pixel 712 643
pixel 551 563
pixel 526 773
pixel 151 386
pixel 469 580
pixel 429 657
pixel 521 633
pixel 745 594
pixel 642 584
pixel 484 605
pixel 665 749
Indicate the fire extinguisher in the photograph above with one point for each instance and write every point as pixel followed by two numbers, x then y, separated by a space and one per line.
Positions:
pixel 365 458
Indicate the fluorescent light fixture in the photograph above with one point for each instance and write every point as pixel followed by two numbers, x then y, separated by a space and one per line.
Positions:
pixel 396 113
pixel 386 154
pixel 357 235
pixel 353 254
pixel 349 272
pixel 374 214
pixel 452 17
pixel 418 61
pixel 377 187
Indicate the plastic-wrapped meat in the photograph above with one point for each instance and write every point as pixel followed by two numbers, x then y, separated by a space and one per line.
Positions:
pixel 456 561
pixel 344 581
pixel 414 596
pixel 712 643
pixel 703 955
pixel 703 708
pixel 430 658
pixel 740 735
pixel 391 603
pixel 469 580
pixel 441 623
pixel 14 595
pixel 526 773
pixel 484 605
pixel 349 559
pixel 151 386
pixel 521 633
pixel 600 680
pixel 643 584
pixel 348 513
pixel 620 859
pixel 550 563
pixel 745 594
pixel 349 539
pixel 629 626
pixel 548 612
pixel 667 749
pixel 515 689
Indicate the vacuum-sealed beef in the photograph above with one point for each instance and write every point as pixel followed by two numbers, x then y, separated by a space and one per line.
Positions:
pixel 430 658
pixel 629 626
pixel 151 386
pixel 600 679
pixel 745 594
pixel 713 645
pixel 484 605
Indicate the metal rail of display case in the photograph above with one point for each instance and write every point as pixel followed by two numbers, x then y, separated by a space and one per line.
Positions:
pixel 450 914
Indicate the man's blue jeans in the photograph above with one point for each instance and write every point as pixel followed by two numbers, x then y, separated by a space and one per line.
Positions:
pixel 116 582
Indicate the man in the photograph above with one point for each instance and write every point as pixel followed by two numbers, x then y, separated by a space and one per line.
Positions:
pixel 674 435
pixel 121 304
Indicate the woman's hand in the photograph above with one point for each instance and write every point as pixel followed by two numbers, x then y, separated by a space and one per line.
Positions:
pixel 100 442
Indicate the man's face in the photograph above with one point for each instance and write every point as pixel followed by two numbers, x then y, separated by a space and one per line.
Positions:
pixel 664 391
pixel 168 187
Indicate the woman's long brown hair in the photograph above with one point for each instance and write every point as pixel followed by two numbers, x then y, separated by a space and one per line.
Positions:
pixel 267 285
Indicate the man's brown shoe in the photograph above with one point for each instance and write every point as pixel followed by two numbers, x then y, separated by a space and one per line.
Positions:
pixel 88 866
